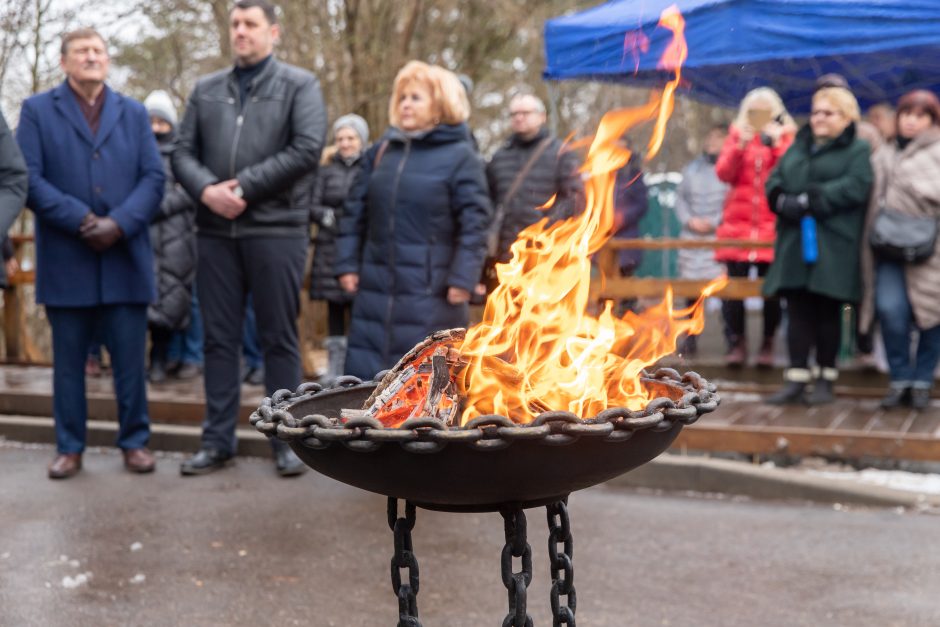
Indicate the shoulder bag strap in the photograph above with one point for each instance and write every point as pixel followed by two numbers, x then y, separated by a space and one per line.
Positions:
pixel 500 216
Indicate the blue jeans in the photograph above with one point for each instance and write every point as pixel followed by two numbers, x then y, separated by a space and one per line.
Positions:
pixel 186 345
pixel 897 322
pixel 251 345
pixel 125 336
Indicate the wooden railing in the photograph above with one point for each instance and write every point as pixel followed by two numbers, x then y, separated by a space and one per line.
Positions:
pixel 20 347
pixel 613 286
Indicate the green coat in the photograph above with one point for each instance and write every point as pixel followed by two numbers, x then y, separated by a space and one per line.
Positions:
pixel 837 178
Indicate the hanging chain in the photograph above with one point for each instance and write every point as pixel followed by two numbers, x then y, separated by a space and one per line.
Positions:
pixel 516 583
pixel 404 557
pixel 559 532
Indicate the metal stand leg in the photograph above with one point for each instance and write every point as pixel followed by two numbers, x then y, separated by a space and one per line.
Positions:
pixel 404 558
pixel 559 532
pixel 516 583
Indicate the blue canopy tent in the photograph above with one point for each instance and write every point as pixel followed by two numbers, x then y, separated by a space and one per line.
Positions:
pixel 884 48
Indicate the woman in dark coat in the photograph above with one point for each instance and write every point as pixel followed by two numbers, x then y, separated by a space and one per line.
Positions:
pixel 820 185
pixel 413 237
pixel 337 172
pixel 173 237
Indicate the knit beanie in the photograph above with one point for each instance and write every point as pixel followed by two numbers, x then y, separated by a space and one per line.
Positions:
pixel 159 105
pixel 356 123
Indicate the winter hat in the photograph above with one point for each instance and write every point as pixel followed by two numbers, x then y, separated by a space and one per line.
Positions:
pixel 159 105
pixel 831 80
pixel 356 123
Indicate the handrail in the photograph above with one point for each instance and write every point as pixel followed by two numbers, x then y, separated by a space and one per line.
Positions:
pixel 671 243
pixel 612 286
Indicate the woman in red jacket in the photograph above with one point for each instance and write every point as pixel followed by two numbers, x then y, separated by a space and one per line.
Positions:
pixel 758 137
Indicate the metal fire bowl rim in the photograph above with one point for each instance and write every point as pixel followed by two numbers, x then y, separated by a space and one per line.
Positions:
pixel 491 432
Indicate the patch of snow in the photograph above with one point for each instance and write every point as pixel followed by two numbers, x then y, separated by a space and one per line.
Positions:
pixel 80 579
pixel 138 578
pixel 136 546
pixel 921 483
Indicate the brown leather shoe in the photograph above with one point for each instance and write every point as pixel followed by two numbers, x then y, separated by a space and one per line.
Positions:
pixel 65 465
pixel 139 460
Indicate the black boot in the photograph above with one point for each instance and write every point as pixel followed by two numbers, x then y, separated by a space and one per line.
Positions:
pixel 920 398
pixel 157 372
pixel 897 395
pixel 286 461
pixel 822 390
pixel 793 390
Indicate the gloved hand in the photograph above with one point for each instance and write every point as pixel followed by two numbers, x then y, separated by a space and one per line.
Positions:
pixel 792 206
pixel 100 233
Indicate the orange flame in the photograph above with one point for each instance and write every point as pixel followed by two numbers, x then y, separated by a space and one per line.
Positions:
pixel 536 347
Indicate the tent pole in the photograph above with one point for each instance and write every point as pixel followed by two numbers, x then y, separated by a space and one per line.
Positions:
pixel 552 108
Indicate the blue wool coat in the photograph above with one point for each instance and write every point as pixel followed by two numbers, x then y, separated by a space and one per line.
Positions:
pixel 116 173
pixel 414 225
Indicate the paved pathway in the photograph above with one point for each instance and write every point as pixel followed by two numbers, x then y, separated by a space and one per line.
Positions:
pixel 243 547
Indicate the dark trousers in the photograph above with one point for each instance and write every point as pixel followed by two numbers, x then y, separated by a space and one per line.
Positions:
pixel 733 310
pixel 270 269
pixel 337 315
pixel 815 321
pixel 124 333
pixel 160 338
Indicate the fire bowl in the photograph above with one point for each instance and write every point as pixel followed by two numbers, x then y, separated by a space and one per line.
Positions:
pixel 489 464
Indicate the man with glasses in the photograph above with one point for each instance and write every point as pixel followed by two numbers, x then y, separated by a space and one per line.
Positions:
pixel 95 181
pixel 526 172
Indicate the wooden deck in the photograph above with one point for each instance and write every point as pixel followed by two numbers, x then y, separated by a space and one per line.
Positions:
pixel 852 428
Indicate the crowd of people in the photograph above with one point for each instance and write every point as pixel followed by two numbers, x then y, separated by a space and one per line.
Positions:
pixel 843 201
pixel 197 230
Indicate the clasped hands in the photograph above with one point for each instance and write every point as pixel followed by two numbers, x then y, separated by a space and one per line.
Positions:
pixel 792 206
pixel 223 199
pixel 99 232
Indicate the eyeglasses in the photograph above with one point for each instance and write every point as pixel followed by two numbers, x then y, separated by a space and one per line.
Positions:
pixel 514 114
pixel 824 113
pixel 88 51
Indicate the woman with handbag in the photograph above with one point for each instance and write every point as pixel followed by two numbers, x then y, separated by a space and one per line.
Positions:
pixel 907 280
pixel 819 191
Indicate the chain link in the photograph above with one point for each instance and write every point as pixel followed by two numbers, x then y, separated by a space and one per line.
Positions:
pixel 485 433
pixel 562 567
pixel 404 557
pixel 516 583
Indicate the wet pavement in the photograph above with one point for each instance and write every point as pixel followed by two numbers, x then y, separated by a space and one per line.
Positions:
pixel 242 547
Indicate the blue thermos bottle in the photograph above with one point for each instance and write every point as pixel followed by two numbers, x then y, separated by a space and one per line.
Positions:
pixel 810 243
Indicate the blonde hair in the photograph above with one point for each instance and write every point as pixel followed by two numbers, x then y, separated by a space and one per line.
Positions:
pixel 842 99
pixel 449 103
pixel 763 94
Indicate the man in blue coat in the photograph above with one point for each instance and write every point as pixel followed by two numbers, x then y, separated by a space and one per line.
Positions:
pixel 95 181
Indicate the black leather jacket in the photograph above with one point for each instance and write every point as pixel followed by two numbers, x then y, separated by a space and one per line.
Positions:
pixel 271 145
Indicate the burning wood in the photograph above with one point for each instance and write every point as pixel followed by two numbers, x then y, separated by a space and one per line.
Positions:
pixel 422 383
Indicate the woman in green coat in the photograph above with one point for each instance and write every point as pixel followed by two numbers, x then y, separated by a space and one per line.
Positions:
pixel 819 191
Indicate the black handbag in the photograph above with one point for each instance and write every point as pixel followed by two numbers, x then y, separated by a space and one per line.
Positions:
pixel 904 238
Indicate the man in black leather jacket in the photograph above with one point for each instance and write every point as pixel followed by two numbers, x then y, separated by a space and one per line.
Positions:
pixel 248 149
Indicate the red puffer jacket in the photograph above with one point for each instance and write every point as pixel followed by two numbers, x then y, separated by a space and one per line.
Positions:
pixel 746 214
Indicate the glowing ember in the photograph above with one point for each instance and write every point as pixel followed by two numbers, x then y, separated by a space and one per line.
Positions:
pixel 536 347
